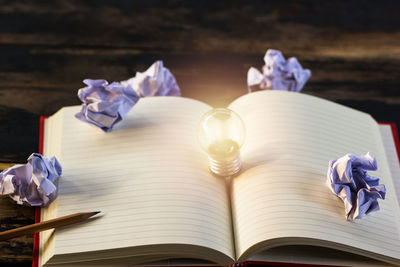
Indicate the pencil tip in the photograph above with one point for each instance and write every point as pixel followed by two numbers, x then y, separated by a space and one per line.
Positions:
pixel 90 214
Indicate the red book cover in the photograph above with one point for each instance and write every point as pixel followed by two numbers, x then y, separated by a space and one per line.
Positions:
pixel 35 258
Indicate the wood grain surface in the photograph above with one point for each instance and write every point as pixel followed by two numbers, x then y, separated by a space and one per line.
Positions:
pixel 48 48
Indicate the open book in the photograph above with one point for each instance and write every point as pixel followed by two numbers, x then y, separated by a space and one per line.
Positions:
pixel 150 179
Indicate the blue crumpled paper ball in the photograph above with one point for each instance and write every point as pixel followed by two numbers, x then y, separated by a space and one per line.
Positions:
pixel 278 74
pixel 348 178
pixel 104 104
pixel 157 80
pixel 33 183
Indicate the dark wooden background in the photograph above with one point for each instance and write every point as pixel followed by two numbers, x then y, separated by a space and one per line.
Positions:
pixel 48 47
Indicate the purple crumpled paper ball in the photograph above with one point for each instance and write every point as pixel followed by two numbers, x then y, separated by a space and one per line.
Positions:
pixel 105 104
pixel 278 74
pixel 155 81
pixel 33 183
pixel 348 178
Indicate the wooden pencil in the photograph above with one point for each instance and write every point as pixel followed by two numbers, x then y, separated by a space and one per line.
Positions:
pixel 45 225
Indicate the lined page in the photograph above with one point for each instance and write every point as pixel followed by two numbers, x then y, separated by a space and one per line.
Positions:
pixel 148 177
pixel 282 191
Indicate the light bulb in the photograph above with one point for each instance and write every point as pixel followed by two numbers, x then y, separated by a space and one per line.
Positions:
pixel 221 134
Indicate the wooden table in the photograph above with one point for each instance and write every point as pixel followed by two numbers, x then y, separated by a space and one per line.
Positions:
pixel 47 50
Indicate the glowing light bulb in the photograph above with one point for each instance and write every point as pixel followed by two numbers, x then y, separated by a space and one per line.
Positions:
pixel 221 134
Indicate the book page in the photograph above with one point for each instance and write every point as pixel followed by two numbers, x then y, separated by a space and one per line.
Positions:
pixel 282 192
pixel 320 255
pixel 148 177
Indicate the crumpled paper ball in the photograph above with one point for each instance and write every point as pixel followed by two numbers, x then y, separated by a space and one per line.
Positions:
pixel 348 178
pixel 155 81
pixel 33 183
pixel 105 104
pixel 278 74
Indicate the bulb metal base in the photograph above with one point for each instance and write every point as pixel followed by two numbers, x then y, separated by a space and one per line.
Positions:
pixel 224 167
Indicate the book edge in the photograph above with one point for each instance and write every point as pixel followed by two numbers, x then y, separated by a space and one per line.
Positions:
pixel 35 257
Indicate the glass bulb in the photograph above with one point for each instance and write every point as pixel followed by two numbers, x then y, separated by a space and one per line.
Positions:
pixel 221 134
